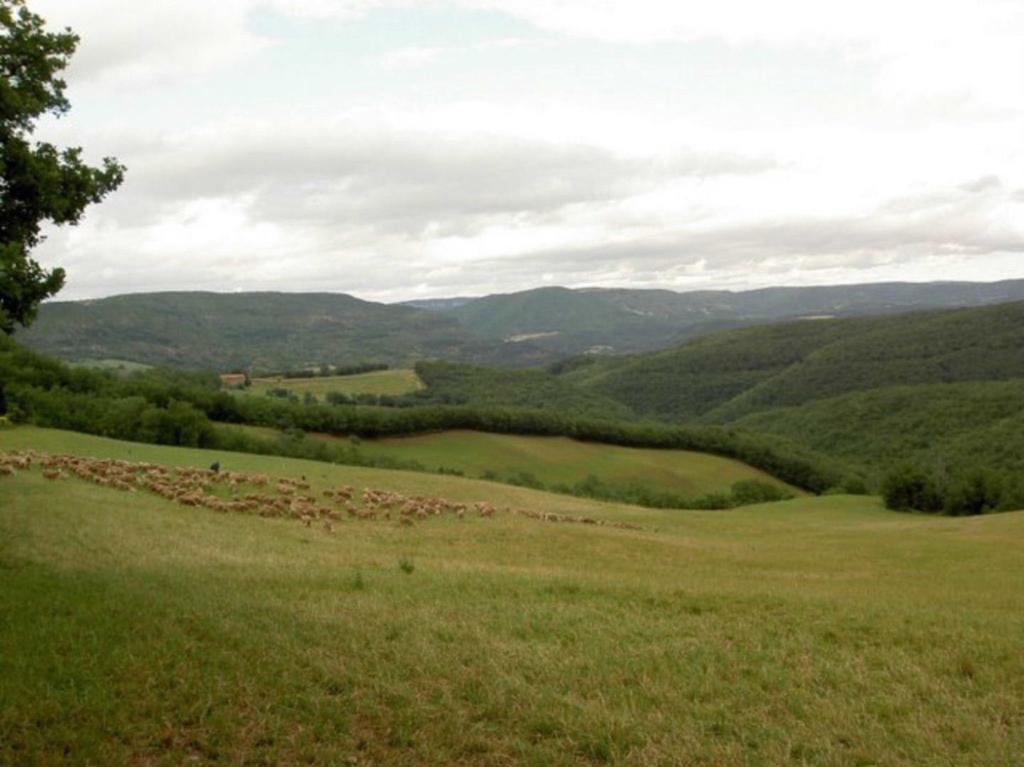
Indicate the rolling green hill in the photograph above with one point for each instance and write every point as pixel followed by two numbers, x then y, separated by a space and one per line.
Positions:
pixel 269 331
pixel 560 462
pixel 627 321
pixel 824 631
pixel 729 375
pixel 277 331
pixel 940 426
pixel 453 383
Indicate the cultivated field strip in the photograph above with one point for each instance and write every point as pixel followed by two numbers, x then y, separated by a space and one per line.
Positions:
pixel 266 496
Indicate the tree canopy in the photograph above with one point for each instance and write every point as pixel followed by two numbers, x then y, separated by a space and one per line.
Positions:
pixel 38 182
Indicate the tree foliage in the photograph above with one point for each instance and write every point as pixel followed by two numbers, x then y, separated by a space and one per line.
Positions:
pixel 38 182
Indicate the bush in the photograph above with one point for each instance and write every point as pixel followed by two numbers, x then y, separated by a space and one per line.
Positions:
pixel 179 424
pixel 909 489
pixel 977 492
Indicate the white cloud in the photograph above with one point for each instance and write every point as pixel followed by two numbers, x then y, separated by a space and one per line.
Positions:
pixel 145 43
pixel 491 189
pixel 410 58
pixel 970 48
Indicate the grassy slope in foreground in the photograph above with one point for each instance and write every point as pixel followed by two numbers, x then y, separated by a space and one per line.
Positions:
pixel 819 631
pixel 380 382
pixel 560 460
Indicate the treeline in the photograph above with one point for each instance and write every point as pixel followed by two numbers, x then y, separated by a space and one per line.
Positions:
pixel 958 493
pixel 743 493
pixel 37 389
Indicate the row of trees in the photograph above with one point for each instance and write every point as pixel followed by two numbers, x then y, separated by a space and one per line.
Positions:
pixel 961 492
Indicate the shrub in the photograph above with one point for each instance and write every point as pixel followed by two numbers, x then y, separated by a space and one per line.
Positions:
pixel 179 424
pixel 976 492
pixel 907 488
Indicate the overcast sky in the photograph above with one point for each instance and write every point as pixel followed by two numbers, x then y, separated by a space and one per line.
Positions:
pixel 396 150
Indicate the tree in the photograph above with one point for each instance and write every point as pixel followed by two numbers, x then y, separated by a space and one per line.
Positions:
pixel 38 181
pixel 907 488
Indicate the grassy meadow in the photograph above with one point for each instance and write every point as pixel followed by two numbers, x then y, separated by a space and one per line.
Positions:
pixel 554 460
pixel 560 460
pixel 818 631
pixel 379 382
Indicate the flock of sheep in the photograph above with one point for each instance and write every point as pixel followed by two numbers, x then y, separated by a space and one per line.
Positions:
pixel 228 491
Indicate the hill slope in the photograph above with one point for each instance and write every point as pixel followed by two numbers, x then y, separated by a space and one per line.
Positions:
pixel 625 321
pixel 942 427
pixel 269 331
pixel 731 374
pixel 453 383
pixel 208 638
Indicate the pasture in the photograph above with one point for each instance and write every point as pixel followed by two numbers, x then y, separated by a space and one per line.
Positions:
pixel 818 631
pixel 552 461
pixel 560 460
pixel 379 382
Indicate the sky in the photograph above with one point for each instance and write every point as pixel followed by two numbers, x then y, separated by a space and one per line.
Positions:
pixel 402 150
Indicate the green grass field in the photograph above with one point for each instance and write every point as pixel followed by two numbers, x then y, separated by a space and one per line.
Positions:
pixel 555 460
pixel 381 382
pixel 123 367
pixel 819 631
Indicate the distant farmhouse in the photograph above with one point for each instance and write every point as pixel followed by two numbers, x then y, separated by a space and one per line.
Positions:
pixel 233 380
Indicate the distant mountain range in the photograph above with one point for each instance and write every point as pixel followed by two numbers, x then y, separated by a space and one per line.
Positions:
pixel 625 321
pixel 529 328
pixel 262 331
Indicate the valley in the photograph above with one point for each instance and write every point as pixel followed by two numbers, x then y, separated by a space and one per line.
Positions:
pixel 511 384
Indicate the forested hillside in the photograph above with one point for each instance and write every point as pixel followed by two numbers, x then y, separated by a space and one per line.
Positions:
pixel 628 321
pixel 275 331
pixel 268 331
pixel 455 384
pixel 943 427
pixel 728 375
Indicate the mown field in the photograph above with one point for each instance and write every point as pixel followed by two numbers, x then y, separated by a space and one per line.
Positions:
pixel 380 382
pixel 819 631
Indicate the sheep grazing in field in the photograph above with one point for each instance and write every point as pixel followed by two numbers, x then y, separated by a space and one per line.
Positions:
pixel 485 509
pixel 192 487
